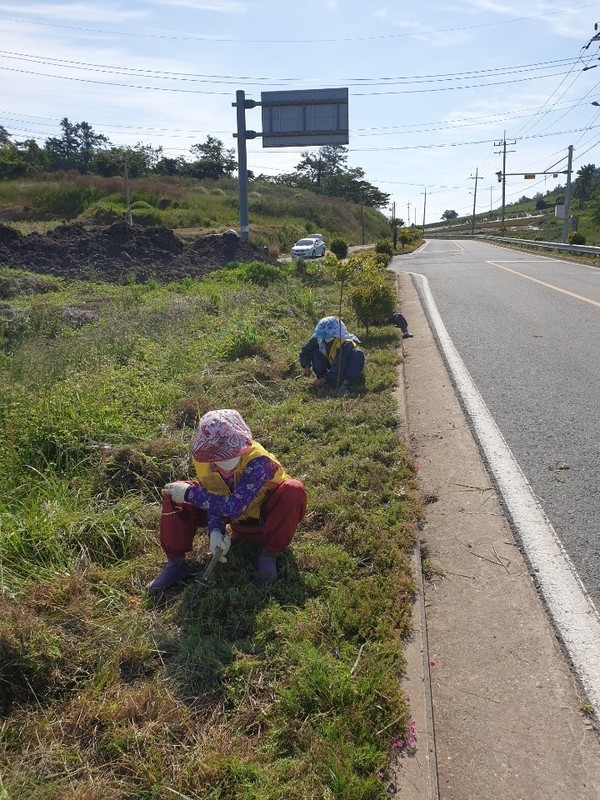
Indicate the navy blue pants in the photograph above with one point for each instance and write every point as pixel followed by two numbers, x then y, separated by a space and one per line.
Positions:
pixel 353 367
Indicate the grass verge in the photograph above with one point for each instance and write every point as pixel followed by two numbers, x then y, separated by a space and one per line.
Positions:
pixel 233 692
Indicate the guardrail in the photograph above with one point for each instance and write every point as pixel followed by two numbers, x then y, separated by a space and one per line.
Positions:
pixel 574 249
pixel 564 248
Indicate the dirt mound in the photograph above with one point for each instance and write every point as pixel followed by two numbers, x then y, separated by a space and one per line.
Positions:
pixel 120 253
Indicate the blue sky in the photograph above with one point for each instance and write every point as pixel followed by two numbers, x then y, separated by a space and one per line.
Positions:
pixel 433 87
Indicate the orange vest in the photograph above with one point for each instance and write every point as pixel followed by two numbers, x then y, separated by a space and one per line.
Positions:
pixel 212 480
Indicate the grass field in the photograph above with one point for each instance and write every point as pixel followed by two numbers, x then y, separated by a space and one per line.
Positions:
pixel 238 692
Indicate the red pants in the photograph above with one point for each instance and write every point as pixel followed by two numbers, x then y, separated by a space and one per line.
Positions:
pixel 281 513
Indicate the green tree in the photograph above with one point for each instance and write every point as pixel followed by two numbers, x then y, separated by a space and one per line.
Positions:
pixel 586 182
pixel 18 159
pixel 76 147
pixel 213 160
pixel 325 163
pixel 450 214
pixel 141 160
pixel 395 224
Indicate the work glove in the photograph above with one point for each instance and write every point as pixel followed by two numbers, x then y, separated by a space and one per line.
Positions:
pixel 218 539
pixel 177 490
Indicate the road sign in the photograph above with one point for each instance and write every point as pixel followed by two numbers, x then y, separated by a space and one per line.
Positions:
pixel 305 117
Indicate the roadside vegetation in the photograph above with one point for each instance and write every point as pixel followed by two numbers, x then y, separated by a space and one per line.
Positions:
pixel 533 217
pixel 227 693
pixel 279 215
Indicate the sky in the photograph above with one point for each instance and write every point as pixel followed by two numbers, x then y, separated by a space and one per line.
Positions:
pixel 434 89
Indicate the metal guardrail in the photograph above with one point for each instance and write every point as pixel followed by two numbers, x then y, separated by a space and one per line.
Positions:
pixel 564 248
pixel 574 249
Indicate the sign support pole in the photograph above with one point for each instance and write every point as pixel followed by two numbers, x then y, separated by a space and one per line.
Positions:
pixel 240 104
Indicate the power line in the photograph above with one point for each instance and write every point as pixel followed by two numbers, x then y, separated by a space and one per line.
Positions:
pixel 250 80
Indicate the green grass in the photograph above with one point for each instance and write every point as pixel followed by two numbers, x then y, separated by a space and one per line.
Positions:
pixel 234 692
pixel 278 215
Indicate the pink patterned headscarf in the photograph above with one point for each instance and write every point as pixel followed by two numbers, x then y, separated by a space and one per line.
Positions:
pixel 222 435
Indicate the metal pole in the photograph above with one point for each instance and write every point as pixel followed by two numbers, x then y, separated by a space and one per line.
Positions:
pixel 240 104
pixel 565 229
pixel 503 183
pixel 424 207
pixel 474 201
pixel 128 192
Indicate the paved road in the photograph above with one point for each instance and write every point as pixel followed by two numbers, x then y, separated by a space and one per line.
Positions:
pixel 528 330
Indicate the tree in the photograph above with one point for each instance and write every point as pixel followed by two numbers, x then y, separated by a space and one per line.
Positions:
pixel 4 136
pixel 325 172
pixel 88 143
pixel 170 166
pixel 213 160
pixel 395 223
pixel 448 215
pixel 18 159
pixel 76 147
pixel 141 160
pixel 587 180
pixel 326 162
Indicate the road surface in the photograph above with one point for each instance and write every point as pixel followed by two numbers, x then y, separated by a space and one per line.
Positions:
pixel 527 328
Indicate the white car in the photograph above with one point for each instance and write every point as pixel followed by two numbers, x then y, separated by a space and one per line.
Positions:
pixel 310 247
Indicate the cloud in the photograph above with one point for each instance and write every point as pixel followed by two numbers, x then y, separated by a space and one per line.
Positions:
pixel 73 12
pixel 217 6
pixel 572 23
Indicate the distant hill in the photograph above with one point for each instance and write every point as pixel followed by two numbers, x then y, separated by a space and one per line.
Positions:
pixel 278 215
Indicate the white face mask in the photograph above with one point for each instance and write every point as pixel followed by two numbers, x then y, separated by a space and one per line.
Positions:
pixel 228 465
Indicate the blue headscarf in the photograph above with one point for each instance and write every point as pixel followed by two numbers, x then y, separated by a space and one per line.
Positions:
pixel 333 328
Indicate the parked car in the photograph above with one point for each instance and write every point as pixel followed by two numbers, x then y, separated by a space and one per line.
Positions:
pixel 310 247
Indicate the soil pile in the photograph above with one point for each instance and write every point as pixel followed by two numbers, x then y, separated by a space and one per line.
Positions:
pixel 120 253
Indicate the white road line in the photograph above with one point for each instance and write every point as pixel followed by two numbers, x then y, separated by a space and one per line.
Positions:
pixel 575 617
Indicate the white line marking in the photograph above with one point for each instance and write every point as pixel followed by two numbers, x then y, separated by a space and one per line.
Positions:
pixel 572 610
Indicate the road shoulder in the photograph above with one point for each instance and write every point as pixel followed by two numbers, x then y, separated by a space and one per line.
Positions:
pixel 504 721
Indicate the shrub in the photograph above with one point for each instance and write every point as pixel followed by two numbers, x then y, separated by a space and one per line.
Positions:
pixel 384 246
pixel 260 274
pixel 576 238
pixel 339 247
pixel 372 300
pixel 67 202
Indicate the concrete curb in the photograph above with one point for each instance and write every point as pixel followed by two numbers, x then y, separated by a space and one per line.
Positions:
pixel 415 773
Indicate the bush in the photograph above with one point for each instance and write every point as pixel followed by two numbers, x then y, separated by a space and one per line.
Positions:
pixel 372 301
pixel 384 246
pixel 260 274
pixel 67 202
pixel 339 247
pixel 576 238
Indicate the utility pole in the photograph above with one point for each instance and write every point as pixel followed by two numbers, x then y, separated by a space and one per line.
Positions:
pixel 424 207
pixel 565 229
pixel 476 178
pixel 502 175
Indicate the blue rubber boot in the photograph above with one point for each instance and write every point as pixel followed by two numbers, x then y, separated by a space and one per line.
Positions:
pixel 177 569
pixel 266 568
